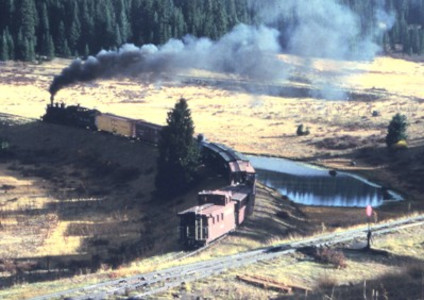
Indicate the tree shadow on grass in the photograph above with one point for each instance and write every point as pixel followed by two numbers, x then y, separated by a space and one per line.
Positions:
pixel 99 187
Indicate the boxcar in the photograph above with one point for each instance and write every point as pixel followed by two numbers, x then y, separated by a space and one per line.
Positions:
pixel 116 125
pixel 146 131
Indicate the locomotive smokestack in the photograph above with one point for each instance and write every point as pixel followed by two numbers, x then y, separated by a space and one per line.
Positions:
pixel 51 99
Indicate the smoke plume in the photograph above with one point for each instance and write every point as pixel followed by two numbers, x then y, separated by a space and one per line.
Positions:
pixel 313 28
pixel 248 51
pixel 326 29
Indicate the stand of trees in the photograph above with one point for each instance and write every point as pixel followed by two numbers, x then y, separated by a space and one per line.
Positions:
pixel 31 28
pixel 80 27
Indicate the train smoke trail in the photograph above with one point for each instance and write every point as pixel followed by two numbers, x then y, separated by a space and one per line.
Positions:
pixel 249 51
pixel 326 29
pixel 317 28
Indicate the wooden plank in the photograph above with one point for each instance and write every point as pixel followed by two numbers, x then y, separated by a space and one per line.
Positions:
pixel 265 283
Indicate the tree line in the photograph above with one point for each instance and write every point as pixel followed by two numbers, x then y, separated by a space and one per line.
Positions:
pixel 69 28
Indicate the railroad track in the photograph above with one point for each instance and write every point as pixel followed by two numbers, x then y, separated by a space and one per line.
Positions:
pixel 148 284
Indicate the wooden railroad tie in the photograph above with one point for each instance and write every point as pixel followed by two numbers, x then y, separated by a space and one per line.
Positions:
pixel 269 283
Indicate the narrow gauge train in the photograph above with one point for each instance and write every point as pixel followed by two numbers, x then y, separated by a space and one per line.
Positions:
pixel 220 211
pixel 75 115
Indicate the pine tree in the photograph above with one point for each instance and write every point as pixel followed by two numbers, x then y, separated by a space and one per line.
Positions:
pixel 66 50
pixel 178 153
pixel 105 34
pixel 87 22
pixel 60 44
pixel 46 45
pixel 123 24
pixel 27 20
pixel 86 50
pixel 75 30
pixel 10 44
pixel 4 50
pixel 220 18
pixel 396 130
pixel 50 47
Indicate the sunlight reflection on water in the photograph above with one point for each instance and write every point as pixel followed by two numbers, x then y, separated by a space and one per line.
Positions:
pixel 311 185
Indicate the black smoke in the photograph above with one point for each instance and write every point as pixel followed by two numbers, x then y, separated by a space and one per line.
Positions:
pixel 316 28
pixel 248 51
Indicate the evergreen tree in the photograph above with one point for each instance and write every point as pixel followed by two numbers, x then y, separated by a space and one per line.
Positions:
pixel 178 152
pixel 7 11
pixel 87 22
pixel 109 23
pixel 66 50
pixel 27 20
pixel 415 40
pixel 4 50
pixel 60 44
pixel 50 47
pixel 75 29
pixel 10 44
pixel 105 34
pixel 86 50
pixel 220 18
pixel 46 45
pixel 396 130
pixel 123 23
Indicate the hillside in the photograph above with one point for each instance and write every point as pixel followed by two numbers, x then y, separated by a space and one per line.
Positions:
pixel 67 192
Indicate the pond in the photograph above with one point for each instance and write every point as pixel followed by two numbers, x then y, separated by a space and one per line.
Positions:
pixel 311 185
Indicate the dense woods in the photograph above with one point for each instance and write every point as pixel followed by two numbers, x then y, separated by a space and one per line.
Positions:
pixel 69 28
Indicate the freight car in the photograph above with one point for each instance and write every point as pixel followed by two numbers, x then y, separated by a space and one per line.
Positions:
pixel 79 116
pixel 228 161
pixel 220 211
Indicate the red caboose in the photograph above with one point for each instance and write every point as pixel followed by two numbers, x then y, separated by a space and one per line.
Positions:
pixel 212 218
pixel 218 213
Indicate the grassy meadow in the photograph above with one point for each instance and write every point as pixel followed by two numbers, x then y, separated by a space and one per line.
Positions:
pixel 67 219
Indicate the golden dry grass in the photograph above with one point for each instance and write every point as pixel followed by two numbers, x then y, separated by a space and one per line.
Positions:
pixel 250 123
pixel 254 123
pixel 301 270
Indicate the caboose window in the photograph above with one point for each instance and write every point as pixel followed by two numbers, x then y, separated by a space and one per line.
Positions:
pixel 222 216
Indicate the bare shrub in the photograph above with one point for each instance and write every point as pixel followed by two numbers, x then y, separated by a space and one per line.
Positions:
pixel 326 282
pixel 347 142
pixel 331 256
pixel 7 265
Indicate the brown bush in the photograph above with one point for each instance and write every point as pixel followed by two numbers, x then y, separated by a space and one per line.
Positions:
pixel 326 282
pixel 331 256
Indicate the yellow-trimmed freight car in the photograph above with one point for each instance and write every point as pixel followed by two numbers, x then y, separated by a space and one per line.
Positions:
pixel 116 125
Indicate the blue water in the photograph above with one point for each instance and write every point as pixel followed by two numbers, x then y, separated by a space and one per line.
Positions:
pixel 311 185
